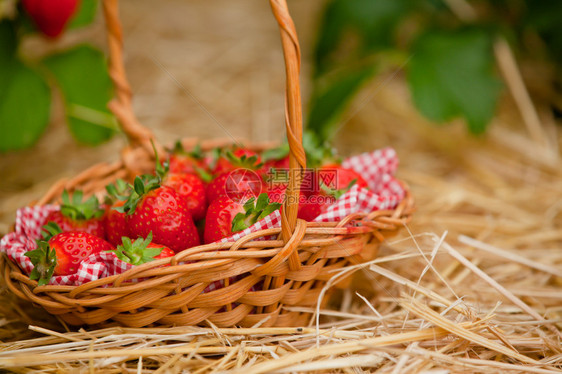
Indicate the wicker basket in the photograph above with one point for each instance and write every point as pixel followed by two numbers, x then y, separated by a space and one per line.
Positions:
pixel 290 271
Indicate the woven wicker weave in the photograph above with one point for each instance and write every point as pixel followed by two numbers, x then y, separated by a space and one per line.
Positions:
pixel 289 271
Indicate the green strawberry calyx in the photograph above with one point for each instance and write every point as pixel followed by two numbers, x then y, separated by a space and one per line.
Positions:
pixel 196 153
pixel 137 252
pixel 76 209
pixel 254 210
pixel 48 231
pixel 143 185
pixel 203 174
pixel 44 260
pixel 119 190
pixel 337 193
pixel 243 161
pixel 140 187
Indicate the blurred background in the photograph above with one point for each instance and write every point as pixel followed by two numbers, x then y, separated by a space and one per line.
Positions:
pixel 468 93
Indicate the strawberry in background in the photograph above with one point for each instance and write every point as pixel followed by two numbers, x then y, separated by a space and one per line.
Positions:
pixel 237 184
pixel 192 189
pixel 51 16
pixel 235 175
pixel 240 158
pixel 115 222
pixel 193 162
pixel 274 158
pixel 188 185
pixel 78 215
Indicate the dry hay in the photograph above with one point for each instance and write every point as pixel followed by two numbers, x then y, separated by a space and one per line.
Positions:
pixel 473 285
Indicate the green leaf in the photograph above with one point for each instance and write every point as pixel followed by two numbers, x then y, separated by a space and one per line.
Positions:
pixel 81 74
pixel 8 43
pixel 85 14
pixel 545 16
pixel 330 99
pixel 353 28
pixel 277 153
pixel 451 74
pixel 25 101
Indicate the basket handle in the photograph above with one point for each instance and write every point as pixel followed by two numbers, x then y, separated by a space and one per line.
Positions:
pixel 293 116
pixel 121 105
pixel 138 135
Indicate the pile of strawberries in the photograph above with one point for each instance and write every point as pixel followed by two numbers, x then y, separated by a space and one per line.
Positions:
pixel 190 199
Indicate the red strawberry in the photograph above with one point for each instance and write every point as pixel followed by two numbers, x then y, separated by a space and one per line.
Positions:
pixel 239 158
pixel 225 216
pixel 275 158
pixel 343 177
pixel 160 209
pixel 141 250
pixel 276 193
pixel 63 253
pixel 77 215
pixel 50 16
pixel 182 161
pixel 237 184
pixel 310 206
pixel 192 189
pixel 115 222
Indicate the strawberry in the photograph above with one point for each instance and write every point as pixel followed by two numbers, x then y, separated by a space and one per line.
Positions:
pixel 160 209
pixel 115 222
pixel 237 184
pixel 141 250
pixel 191 188
pixel 50 16
pixel 343 177
pixel 239 158
pixel 62 253
pixel 188 185
pixel 276 193
pixel 310 206
pixel 274 158
pixel 226 216
pixel 182 161
pixel 78 215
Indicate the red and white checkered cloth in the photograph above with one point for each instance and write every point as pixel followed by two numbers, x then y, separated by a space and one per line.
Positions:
pixel 377 168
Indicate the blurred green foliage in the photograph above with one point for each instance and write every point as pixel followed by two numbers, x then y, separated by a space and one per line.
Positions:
pixel 449 62
pixel 79 73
